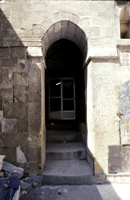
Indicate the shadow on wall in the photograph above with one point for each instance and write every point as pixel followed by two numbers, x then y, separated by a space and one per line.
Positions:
pixel 20 101
pixel 8 36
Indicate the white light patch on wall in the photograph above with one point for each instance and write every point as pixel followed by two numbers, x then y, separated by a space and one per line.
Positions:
pixel 20 155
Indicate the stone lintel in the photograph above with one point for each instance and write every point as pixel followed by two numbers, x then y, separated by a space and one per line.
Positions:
pixel 123 43
pixel 101 53
pixel 34 52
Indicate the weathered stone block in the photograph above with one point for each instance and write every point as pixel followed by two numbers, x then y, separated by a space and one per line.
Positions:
pixel 34 140
pixel 33 169
pixel 125 132
pixel 4 52
pixel 15 110
pixel 124 107
pixel 4 78
pixel 9 62
pixel 1 42
pixel 21 93
pixel 22 125
pixel 34 109
pixel 6 24
pixel 18 52
pixel 34 125
pixel 1 103
pixel 35 154
pixel 22 66
pixel 15 139
pixel 34 81
pixel 34 94
pixel 10 154
pixel 9 33
pixel 12 42
pixel 10 126
pixel 1 33
pixel 4 74
pixel 1 140
pixel 0 127
pixel 119 159
pixel 37 30
pixel 20 78
pixel 6 94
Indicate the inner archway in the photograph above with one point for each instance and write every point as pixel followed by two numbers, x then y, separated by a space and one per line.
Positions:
pixel 65 98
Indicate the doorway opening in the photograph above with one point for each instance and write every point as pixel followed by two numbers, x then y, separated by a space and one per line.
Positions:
pixel 64 86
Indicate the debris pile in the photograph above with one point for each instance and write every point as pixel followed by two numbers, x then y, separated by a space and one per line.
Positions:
pixel 10 173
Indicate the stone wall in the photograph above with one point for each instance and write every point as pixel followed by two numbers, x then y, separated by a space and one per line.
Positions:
pixel 20 100
pixel 28 26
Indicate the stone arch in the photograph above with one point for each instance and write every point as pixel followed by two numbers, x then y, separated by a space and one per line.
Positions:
pixel 65 29
pixel 125 21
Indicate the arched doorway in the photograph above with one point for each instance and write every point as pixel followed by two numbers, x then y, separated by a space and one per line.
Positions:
pixel 65 51
pixel 65 100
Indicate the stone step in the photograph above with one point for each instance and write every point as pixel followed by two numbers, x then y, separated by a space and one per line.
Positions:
pixel 63 136
pixel 65 151
pixel 65 126
pixel 70 172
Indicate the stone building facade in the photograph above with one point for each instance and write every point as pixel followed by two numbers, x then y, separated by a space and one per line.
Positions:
pixel 97 33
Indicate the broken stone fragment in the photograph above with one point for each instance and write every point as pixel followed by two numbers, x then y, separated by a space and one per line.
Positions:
pixel 1 161
pixel 12 170
pixel 26 191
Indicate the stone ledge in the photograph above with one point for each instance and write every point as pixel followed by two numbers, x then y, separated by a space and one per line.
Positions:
pixel 34 52
pixel 115 178
pixel 101 53
pixel 123 42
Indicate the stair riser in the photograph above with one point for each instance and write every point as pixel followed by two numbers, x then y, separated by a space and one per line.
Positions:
pixel 62 138
pixel 68 180
pixel 81 155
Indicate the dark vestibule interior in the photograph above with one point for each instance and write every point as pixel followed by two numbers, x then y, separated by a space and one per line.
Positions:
pixel 64 85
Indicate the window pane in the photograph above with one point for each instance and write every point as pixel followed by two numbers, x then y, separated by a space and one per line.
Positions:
pixel 55 88
pixel 68 105
pixel 68 89
pixel 55 104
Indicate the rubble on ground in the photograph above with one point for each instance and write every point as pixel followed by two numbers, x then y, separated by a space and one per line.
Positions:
pixel 11 170
pixel 27 184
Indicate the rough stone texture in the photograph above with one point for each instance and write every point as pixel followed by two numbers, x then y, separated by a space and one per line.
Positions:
pixel 21 93
pixel 15 110
pixel 26 192
pixel 95 29
pixel 1 161
pixel 12 170
pixel 10 126
pixel 119 159
pixel 10 153
pixel 124 107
